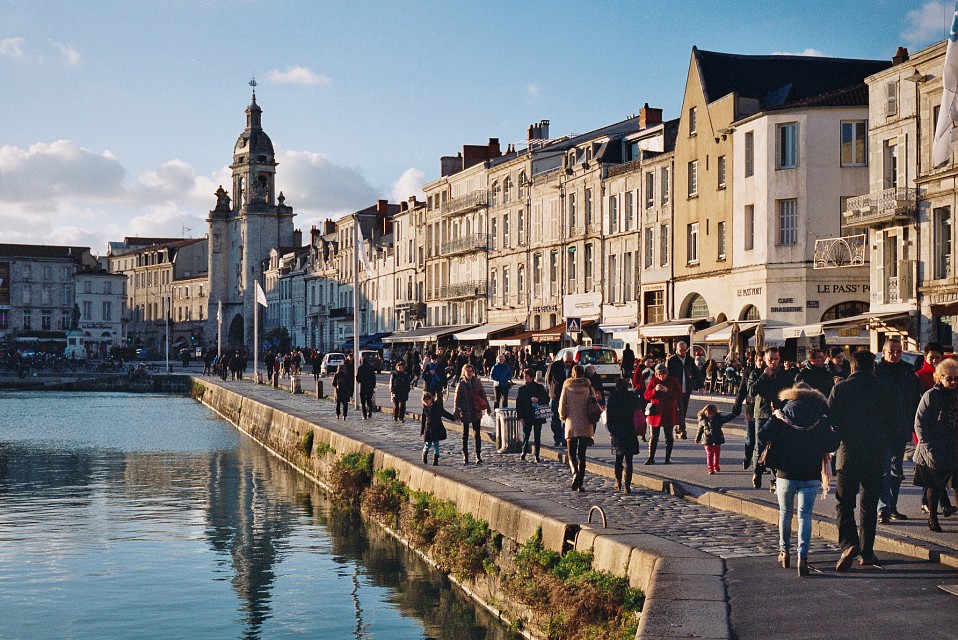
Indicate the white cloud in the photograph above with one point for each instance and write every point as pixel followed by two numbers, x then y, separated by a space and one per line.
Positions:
pixel 927 23
pixel 70 54
pixel 11 47
pixel 534 89
pixel 409 184
pixel 298 75
pixel 313 184
pixel 49 172
pixel 807 52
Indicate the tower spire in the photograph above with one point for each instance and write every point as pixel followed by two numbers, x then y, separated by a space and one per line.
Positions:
pixel 252 83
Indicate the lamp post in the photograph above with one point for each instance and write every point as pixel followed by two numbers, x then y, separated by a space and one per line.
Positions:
pixel 917 78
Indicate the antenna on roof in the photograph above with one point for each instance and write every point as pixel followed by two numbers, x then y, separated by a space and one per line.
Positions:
pixel 186 231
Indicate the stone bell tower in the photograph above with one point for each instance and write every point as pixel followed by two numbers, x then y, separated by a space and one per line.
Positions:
pixel 243 228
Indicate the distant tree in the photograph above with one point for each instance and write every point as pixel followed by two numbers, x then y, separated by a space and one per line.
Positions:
pixel 278 339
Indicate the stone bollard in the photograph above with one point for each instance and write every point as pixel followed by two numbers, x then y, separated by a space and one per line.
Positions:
pixel 296 384
pixel 319 388
pixel 276 379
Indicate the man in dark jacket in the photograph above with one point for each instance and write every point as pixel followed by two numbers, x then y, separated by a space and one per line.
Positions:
pixel 682 367
pixel 366 377
pixel 767 384
pixel 864 413
pixel 744 396
pixel 628 362
pixel 530 395
pixel 815 374
pixel 556 376
pixel 900 377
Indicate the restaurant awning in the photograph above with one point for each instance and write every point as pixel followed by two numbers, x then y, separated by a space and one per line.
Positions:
pixel 670 329
pixel 425 334
pixel 482 332
pixel 616 328
pixel 861 321
pixel 774 337
pixel 721 333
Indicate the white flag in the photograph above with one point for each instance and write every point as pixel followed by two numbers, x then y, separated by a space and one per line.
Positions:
pixel 361 248
pixel 947 130
pixel 260 296
pixel 219 311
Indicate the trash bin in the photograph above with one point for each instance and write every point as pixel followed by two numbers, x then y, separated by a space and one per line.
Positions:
pixel 296 383
pixel 508 435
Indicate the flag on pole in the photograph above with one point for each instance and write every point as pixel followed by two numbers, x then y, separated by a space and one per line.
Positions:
pixel 219 311
pixel 947 130
pixel 361 247
pixel 261 296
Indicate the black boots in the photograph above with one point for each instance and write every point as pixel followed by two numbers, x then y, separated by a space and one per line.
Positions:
pixel 668 453
pixel 435 460
pixel 425 455
pixel 652 447
pixel 628 481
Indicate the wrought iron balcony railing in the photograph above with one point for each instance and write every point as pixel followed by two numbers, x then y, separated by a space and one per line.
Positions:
pixel 467 202
pixel 846 251
pixel 891 205
pixel 467 243
pixel 471 289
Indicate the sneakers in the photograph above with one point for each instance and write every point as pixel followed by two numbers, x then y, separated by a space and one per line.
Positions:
pixel 868 561
pixel 523 456
pixel 949 511
pixel 848 556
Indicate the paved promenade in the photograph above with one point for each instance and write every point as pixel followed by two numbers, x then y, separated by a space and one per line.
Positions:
pixel 900 598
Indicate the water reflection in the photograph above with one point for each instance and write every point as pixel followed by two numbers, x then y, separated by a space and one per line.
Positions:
pixel 102 538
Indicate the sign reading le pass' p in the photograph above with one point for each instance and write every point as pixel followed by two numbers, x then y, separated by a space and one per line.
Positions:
pixel 573 325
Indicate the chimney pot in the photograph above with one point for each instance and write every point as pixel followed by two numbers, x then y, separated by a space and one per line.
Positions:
pixel 901 55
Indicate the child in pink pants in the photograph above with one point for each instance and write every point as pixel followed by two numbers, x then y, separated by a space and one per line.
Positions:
pixel 710 430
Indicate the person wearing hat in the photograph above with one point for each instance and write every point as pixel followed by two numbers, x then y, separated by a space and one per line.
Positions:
pixel 664 394
pixel 799 438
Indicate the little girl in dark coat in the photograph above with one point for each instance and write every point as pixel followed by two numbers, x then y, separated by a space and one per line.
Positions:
pixel 432 429
pixel 710 428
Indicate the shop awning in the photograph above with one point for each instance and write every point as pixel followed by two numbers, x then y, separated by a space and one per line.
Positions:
pixel 482 332
pixel 721 333
pixel 774 337
pixel 861 321
pixel 425 334
pixel 616 328
pixel 671 329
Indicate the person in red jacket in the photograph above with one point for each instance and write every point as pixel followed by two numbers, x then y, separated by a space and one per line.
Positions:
pixel 664 394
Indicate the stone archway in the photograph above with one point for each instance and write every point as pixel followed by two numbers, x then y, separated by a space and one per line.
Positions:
pixel 236 336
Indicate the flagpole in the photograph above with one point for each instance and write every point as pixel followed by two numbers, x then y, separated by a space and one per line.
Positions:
pixel 256 341
pixel 167 302
pixel 357 238
pixel 219 330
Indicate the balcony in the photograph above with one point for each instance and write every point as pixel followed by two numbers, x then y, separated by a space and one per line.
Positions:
pixel 472 289
pixel 901 288
pixel 467 243
pixel 468 202
pixel 891 205
pixel 847 251
pixel 341 312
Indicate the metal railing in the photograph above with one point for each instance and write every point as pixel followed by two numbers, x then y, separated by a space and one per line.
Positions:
pixel 891 288
pixel 882 206
pixel 463 290
pixel 846 251
pixel 469 201
pixel 470 242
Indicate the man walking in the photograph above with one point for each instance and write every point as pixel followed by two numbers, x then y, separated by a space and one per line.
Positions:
pixel 682 367
pixel 864 414
pixel 556 376
pixel 628 361
pixel 900 377
pixel 815 374
pixel 501 375
pixel 766 385
pixel 366 377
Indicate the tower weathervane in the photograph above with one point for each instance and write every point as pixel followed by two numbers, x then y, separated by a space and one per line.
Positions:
pixel 252 83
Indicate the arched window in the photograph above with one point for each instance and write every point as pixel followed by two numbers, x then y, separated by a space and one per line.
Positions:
pixel 523 184
pixel 845 310
pixel 750 313
pixel 695 307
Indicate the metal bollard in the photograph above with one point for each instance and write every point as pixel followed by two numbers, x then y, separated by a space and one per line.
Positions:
pixel 319 388
pixel 296 384
pixel 276 379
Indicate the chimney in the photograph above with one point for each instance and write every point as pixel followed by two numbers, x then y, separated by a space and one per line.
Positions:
pixel 450 165
pixel 328 227
pixel 382 207
pixel 494 151
pixel 297 238
pixel 900 56
pixel 649 116
pixel 314 236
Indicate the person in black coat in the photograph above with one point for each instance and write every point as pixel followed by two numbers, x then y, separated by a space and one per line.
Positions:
pixel 815 374
pixel 936 424
pixel 620 416
pixel 765 390
pixel 682 367
pixel 366 377
pixel 530 395
pixel 863 412
pixel 344 386
pixel 432 429
pixel 400 382
pixel 559 371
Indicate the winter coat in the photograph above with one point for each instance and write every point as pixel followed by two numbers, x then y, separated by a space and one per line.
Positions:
pixel 574 408
pixel 665 411
pixel 620 412
pixel 798 445
pixel 431 427
pixel 744 396
pixel 688 370
pixel 525 409
pixel 818 378
pixel 926 377
pixel 366 377
pixel 400 382
pixel 556 377
pixel 502 375
pixel 936 422
pixel 465 407
pixel 710 429
pixel 766 389
pixel 863 412
pixel 343 383
pixel 901 379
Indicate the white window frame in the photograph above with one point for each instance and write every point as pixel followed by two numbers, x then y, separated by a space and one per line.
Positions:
pixel 693 175
pixel 787 221
pixel 786 146
pixel 692 243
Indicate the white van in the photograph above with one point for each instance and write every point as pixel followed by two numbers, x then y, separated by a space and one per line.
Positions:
pixel 604 359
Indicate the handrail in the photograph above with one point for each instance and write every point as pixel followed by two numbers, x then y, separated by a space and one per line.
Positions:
pixel 605 524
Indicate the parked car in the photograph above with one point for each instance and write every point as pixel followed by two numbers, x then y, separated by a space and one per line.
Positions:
pixel 146 354
pixel 604 359
pixel 372 357
pixel 331 363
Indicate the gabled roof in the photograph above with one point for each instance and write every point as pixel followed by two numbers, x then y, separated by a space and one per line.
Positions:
pixel 776 80
pixel 856 96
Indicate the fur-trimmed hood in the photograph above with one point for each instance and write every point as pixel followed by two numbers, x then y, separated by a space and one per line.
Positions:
pixel 804 407
pixel 577 382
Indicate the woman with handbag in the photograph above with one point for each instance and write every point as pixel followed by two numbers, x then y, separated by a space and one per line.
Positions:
pixel 663 393
pixel 795 442
pixel 936 425
pixel 579 411
pixel 620 413
pixel 470 405
pixel 532 402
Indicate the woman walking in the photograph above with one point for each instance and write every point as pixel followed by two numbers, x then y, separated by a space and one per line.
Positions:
pixel 432 429
pixel 400 382
pixel 936 425
pixel 663 393
pixel 620 415
pixel 800 438
pixel 470 403
pixel 344 385
pixel 579 411
pixel 530 397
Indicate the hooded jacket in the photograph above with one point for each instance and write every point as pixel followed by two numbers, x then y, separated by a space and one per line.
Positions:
pixel 573 408
pixel 799 434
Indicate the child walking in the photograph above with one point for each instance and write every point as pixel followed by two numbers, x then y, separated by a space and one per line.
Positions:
pixel 432 430
pixel 710 428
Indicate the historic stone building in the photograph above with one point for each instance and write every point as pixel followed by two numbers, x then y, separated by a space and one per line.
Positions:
pixel 243 228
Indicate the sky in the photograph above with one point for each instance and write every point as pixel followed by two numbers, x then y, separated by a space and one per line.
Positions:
pixel 118 118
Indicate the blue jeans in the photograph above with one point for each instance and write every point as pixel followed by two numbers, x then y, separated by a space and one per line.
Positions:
pixel 435 447
pixel 806 490
pixel 891 478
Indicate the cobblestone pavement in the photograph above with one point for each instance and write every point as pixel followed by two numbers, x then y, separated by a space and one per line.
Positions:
pixel 711 530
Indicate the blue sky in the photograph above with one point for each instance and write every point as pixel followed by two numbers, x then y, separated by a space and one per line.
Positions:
pixel 119 118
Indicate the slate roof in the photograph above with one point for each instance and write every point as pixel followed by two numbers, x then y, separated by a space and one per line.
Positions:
pixel 41 251
pixel 776 80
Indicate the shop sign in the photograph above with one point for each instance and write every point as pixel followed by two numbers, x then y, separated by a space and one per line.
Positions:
pixel 842 288
pixel 812 304
pixel 582 305
pixel 790 308
pixel 851 332
pixel 545 308
pixel 748 291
